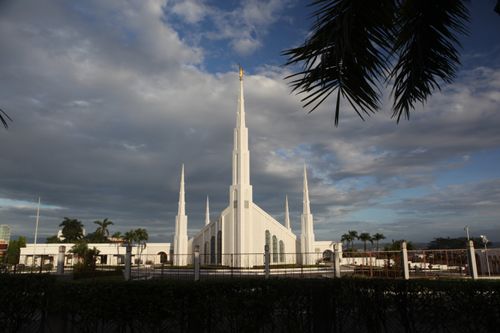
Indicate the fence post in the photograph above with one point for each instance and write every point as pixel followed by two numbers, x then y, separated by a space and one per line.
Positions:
pixel 196 263
pixel 267 259
pixel 60 260
pixel 336 260
pixel 471 260
pixel 404 261
pixel 128 262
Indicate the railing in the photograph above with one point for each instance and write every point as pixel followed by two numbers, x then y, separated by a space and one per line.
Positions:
pixel 377 264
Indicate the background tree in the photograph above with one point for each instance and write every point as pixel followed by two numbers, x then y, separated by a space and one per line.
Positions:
pixel 14 250
pixel 346 238
pixel 453 243
pixel 353 234
pixel 102 228
pixel 365 237
pixel 86 257
pixel 355 46
pixel 138 237
pixel 378 237
pixel 396 245
pixel 52 239
pixel 72 230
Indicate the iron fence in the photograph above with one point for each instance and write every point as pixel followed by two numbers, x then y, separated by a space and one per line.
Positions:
pixel 378 264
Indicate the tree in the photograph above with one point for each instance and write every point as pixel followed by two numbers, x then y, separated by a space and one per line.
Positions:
pixel 86 257
pixel 355 46
pixel 102 228
pixel 52 239
pixel 396 245
pixel 452 243
pixel 378 237
pixel 3 118
pixel 346 238
pixel 353 234
pixel 139 237
pixel 14 250
pixel 365 237
pixel 72 230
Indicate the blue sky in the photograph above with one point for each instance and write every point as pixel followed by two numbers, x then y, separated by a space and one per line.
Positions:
pixel 109 98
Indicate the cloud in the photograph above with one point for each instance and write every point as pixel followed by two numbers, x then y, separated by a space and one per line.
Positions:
pixel 243 26
pixel 109 99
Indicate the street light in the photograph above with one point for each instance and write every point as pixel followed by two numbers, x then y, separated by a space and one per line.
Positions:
pixel 485 242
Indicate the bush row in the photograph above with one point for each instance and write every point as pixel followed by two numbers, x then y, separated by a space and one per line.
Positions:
pixel 32 303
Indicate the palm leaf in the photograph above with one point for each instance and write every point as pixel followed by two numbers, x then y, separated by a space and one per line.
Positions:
pixel 426 45
pixel 3 118
pixel 347 51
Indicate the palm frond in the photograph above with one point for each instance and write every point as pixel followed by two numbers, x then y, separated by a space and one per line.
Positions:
pixel 347 51
pixel 426 45
pixel 3 118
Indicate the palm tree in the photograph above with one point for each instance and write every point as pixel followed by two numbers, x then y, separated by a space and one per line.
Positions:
pixel 3 118
pixel 72 230
pixel 353 234
pixel 355 46
pixel 365 237
pixel 138 236
pixel 378 237
pixel 346 238
pixel 102 228
pixel 141 238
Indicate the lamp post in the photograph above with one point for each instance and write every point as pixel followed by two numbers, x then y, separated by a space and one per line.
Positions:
pixel 485 242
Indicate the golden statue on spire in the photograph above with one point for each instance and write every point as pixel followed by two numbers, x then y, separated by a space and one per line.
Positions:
pixel 241 73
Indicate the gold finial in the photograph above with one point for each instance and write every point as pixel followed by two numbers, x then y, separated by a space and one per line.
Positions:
pixel 241 73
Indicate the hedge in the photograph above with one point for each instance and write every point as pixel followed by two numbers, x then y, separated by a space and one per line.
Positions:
pixel 41 303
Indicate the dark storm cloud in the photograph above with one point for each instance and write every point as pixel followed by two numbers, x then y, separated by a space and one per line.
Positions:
pixel 108 103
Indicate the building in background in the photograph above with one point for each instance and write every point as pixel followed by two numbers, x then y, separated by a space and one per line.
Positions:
pixel 4 240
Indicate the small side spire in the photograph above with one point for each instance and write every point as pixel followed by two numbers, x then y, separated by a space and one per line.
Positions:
pixel 287 214
pixel 182 199
pixel 207 213
pixel 306 203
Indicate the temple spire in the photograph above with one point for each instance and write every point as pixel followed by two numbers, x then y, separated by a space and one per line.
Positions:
pixel 182 202
pixel 287 214
pixel 207 213
pixel 241 155
pixel 306 203
pixel 181 220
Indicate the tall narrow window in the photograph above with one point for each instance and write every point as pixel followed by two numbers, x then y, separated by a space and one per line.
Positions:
pixel 275 249
pixel 268 240
pixel 212 250
pixel 219 247
pixel 205 253
pixel 282 251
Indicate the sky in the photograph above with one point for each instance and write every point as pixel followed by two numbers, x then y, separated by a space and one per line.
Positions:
pixel 109 98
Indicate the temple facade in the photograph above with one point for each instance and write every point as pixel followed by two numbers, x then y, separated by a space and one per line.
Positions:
pixel 238 236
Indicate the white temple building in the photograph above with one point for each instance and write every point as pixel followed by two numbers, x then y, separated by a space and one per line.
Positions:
pixel 238 236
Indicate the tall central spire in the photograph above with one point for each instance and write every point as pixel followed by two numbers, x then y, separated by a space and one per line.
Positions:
pixel 241 155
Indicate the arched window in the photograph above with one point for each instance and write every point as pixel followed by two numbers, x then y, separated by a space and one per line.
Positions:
pixel 275 249
pixel 212 250
pixel 205 253
pixel 282 251
pixel 219 247
pixel 268 239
